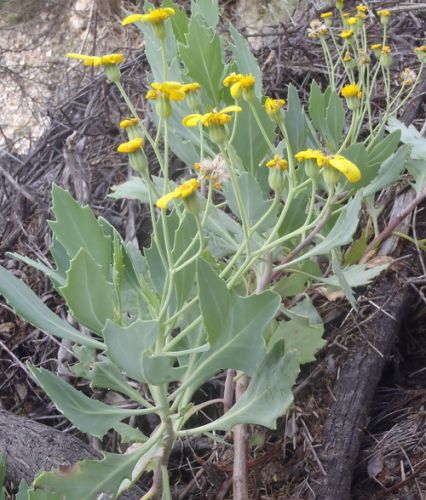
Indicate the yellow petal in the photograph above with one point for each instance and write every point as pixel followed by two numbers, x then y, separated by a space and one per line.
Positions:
pixel 348 169
pixel 232 109
pixel 192 120
pixel 166 199
pixel 236 90
pixel 132 19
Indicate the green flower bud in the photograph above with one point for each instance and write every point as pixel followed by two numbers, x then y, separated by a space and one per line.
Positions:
pixel 112 72
pixel 331 176
pixel 276 180
pixel 163 108
pixel 139 161
pixel 192 204
pixel 312 169
pixel 218 133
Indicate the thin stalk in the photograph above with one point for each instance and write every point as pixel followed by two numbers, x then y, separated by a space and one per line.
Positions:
pixel 260 125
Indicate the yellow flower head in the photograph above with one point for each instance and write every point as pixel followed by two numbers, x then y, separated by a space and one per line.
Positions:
pixel 421 52
pixel 326 15
pixel 190 87
pixel 376 46
pixel 361 16
pixel 339 162
pixel 277 162
pixel 240 84
pixel 345 34
pixel 352 21
pixel 173 91
pixel 131 146
pixel 351 90
pixel 384 13
pixel 183 191
pixel 129 122
pixel 108 59
pixel 211 119
pixel 231 79
pixel 154 16
pixel 362 8
pixel 347 57
pixel 272 106
pixel 386 49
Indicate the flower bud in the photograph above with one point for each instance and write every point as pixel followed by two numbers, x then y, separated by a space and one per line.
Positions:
pixel 218 134
pixel 139 161
pixel 192 204
pixel 330 176
pixel 112 72
pixel 276 180
pixel 311 169
pixel 163 108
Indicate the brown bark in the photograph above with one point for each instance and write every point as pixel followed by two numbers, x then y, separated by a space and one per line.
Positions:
pixel 31 447
pixel 355 388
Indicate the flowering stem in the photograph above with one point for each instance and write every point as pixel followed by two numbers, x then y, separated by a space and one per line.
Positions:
pixel 237 191
pixel 329 62
pixel 260 125
pixel 141 125
pixel 164 59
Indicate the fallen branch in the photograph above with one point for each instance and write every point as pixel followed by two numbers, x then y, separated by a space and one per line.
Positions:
pixel 354 391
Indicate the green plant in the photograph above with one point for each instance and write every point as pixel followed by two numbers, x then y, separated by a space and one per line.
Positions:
pixel 233 247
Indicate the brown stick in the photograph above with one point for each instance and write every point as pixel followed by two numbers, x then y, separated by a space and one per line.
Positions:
pixel 394 223
pixel 239 478
pixel 354 391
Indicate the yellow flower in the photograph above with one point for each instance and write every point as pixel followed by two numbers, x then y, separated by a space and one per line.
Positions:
pixel 272 106
pixel 153 16
pixel 190 87
pixel 351 90
pixel 97 60
pixel 129 122
pixel 345 34
pixel 376 46
pixel 351 21
pixel 361 16
pixel 231 79
pixel 173 91
pixel 183 191
pixel 362 8
pixel 240 84
pixel 339 162
pixel 131 146
pixel 384 13
pixel 347 57
pixel 420 52
pixel 325 15
pixel 309 154
pixel 277 162
pixel 386 49
pixel 210 119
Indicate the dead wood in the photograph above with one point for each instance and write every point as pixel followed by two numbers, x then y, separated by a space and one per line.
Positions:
pixel 355 388
pixel 31 447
